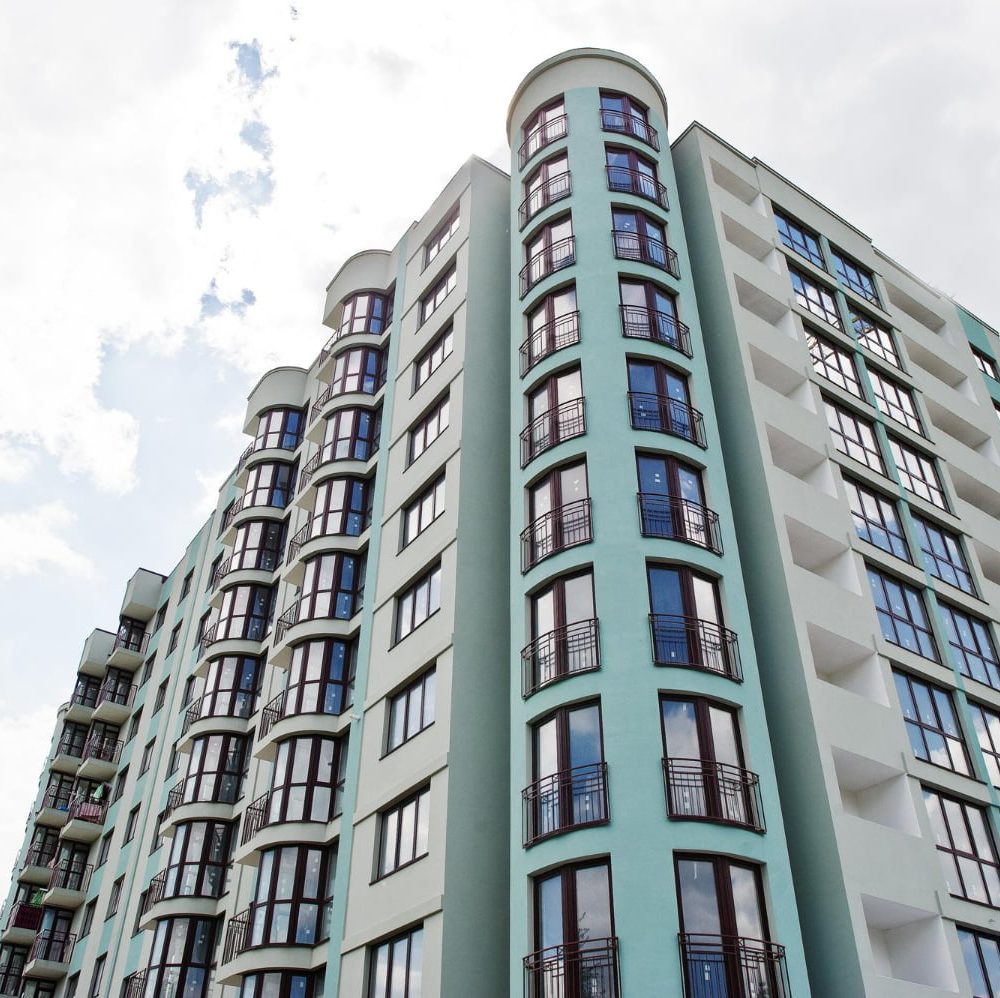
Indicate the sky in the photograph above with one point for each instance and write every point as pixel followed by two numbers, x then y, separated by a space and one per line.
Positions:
pixel 181 181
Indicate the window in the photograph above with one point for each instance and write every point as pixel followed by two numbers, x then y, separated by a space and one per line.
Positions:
pixel 549 250
pixel 277 984
pixel 175 761
pixel 278 429
pixel 433 357
pixel 157 836
pixel 857 278
pixel 901 614
pixel 854 436
pixel 161 615
pixel 972 647
pixel 258 544
pixel 895 401
pixel 672 502
pixel 917 473
pixel 403 833
pixel 73 739
pixel 292 895
pixel 269 484
pixel 874 336
pixel 244 615
pixel 320 677
pixel 98 972
pixel 213 572
pixel 563 638
pixel 982 961
pixel 120 784
pixel 815 297
pixel 333 586
pixel 307 780
pixel 351 435
pixel 359 370
pixel 649 312
pixel 659 401
pixel 546 185
pixel 115 897
pixel 799 239
pixel 558 513
pixel 943 552
pixel 342 506
pixel 987 725
pixel 198 861
pixel 630 173
pixel 424 510
pixel 431 301
pixel 642 239
pixel 966 849
pixel 555 414
pixel 181 957
pixel 420 601
pixel 395 967
pixel 833 363
pixel 133 818
pixel 986 364
pixel 546 125
pixel 104 849
pixel 72 986
pixel 147 671
pixel 88 918
pixel 186 584
pixel 441 235
pixel 368 312
pixel 876 519
pixel 175 636
pixel 931 723
pixel 621 113
pixel 554 323
pixel 428 429
pixel 161 695
pixel 226 516
pixel 411 710
pixel 231 687
pixel 215 769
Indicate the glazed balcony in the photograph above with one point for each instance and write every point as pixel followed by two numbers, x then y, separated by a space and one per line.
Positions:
pixel 705 790
pixel 561 253
pixel 694 643
pixel 563 331
pixel 265 561
pixel 562 422
pixel 253 629
pixel 585 969
pixel 548 192
pixel 541 136
pixel 732 967
pixel 333 391
pixel 622 180
pixel 198 887
pixel 633 125
pixel 286 443
pixel 238 704
pixel 357 449
pixel 223 792
pixel 570 798
pixel 677 519
pixel 556 530
pixel 265 811
pixel 341 607
pixel 642 323
pixel 663 414
pixel 559 654
pixel 641 248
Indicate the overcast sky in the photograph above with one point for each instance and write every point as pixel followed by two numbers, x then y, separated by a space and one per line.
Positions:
pixel 181 180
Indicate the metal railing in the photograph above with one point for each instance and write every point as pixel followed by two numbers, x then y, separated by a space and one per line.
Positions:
pixel 87 697
pixel 174 800
pixel 627 123
pixel 333 391
pixel 562 331
pixel 624 180
pixel 25 916
pixel 255 817
pixel 585 969
pixel 129 640
pixel 699 644
pixel 113 692
pixel 643 248
pixel 543 134
pixel 259 813
pixel 642 323
pixel 562 652
pixel 678 519
pixel 55 947
pixel 58 798
pixel 134 986
pixel 714 791
pixel 240 704
pixel 272 713
pixel 562 422
pixel 38 856
pixel 102 749
pixel 155 893
pixel 550 190
pixel 70 876
pixel 567 799
pixel 732 967
pixel 663 414
pixel 556 530
pixel 561 253
pixel 237 932
pixel 70 746
pixel 87 810
pixel 254 447
pixel 265 560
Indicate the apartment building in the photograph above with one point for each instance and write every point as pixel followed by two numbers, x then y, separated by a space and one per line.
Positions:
pixel 607 610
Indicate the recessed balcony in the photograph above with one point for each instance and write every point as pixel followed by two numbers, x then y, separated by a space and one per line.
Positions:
pixel 732 967
pixel 551 190
pixel 570 798
pixel 677 519
pixel 556 530
pixel 633 125
pixel 559 654
pixel 100 758
pixel 623 180
pixel 561 253
pixel 642 248
pixel 664 414
pixel 642 323
pixel 114 702
pixel 562 422
pixel 544 134
pixel 563 331
pixel 705 790
pixel 696 644
pixel 584 969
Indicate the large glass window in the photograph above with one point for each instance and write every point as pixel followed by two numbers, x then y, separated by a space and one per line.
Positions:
pixel 181 958
pixel 558 513
pixel 199 858
pixel 931 723
pixel 351 435
pixel 943 553
pixel 672 502
pixel 971 645
pixel 320 677
pixel 546 125
pixel 361 369
pixel 432 301
pixel 424 510
pixel 799 239
pixel 279 428
pixel 966 848
pixel 291 898
pixel 854 436
pixel 987 725
pixel 981 953
pixel 343 506
pixel 415 604
pixel 630 173
pixel 215 769
pixel 641 238
pixel 403 832
pixel 366 312
pixel 549 250
pixel 395 967
pixel 269 484
pixel 333 586
pixel 857 278
pixel 815 297
pixel 555 413
pixel 622 113
pixel 649 312
pixel 411 710
pixel 553 323
pixel 895 401
pixel 917 473
pixel 307 779
pixel 659 401
pixel 902 615
pixel 833 363
pixel 259 544
pixel 245 613
pixel 875 336
pixel 231 687
pixel 876 519
pixel 563 631
pixel 429 428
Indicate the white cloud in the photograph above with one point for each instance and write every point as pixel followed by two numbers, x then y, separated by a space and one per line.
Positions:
pixel 34 540
pixel 16 461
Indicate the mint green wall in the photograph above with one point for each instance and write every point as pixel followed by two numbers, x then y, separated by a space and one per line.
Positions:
pixel 983 338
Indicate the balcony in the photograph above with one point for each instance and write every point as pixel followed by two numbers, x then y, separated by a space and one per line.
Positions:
pixel 677 519
pixel 239 706
pixel 548 192
pixel 563 331
pixel 68 753
pixel 263 813
pixel 134 986
pixel 732 967
pixel 559 654
pixel 81 704
pixel 634 125
pixel 562 422
pixel 55 804
pixel 114 702
pixel 265 561
pixel 253 629
pixel 696 644
pixel 84 820
pixel 129 649
pixel 561 253
pixel 185 880
pixel 288 446
pixel 50 953
pixel 663 414
pixel 571 798
pixel 342 607
pixel 623 180
pixel 641 248
pixel 641 323
pixel 25 917
pixel 543 135
pixel 554 531
pixel 73 878
pixel 713 791
pixel 100 758
pixel 586 969
pixel 38 862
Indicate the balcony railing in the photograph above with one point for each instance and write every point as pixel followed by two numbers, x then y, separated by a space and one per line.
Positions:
pixel 70 876
pixel 87 697
pixel 568 799
pixel 25 916
pixel 732 967
pixel 102 749
pixel 70 746
pixel 58 798
pixel 678 519
pixel 562 331
pixel 623 180
pixel 37 855
pixel 561 253
pixel 641 323
pixel 272 713
pixel 237 932
pixel 174 800
pixel 253 629
pixel 239 703
pixel 55 947
pixel 626 123
pixel 332 391
pixel 698 644
pixel 277 498
pixel 114 692
pixel 562 422
pixel 265 561
pixel 134 986
pixel 130 640
pixel 539 137
pixel 642 248
pixel 283 444
pixel 663 414
pixel 224 791
pixel 260 814
pixel 87 810
pixel 556 530
pixel 560 653
pixel 553 189
pixel 713 791
pixel 155 893
pixel 587 969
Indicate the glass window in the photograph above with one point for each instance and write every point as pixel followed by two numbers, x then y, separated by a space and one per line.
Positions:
pixel 649 312
pixel 630 173
pixel 857 278
pixel 231 687
pixel 433 357
pixel 351 434
pixel 395 967
pixel 875 336
pixel 965 845
pixel 441 235
pixel 245 613
pixel 423 510
pixel 971 645
pixel 366 312
pixel 895 401
pixel 981 953
pixel 876 519
pixel 215 769
pixel 431 301
pixel 290 901
pixel 917 473
pixel 901 614
pixel 411 710
pixel 799 239
pixel 420 601
pixel 641 238
pixel 342 506
pixel 672 502
pixel 854 436
pixel 943 551
pixel 555 413
pixel 549 250
pixel 563 638
pixel 277 984
pixel 258 544
pixel 320 677
pixel 361 369
pixel 546 125
pixel 175 637
pixel 428 429
pixel 199 858
pixel 986 364
pixel 931 723
pixel 186 584
pixel 181 958
pixel 987 724
pixel 333 586
pixel 622 113
pixel 279 428
pixel 307 780
pixel 546 185
pixel 833 363
pixel 554 323
pixel 404 831
pixel 659 401
pixel 815 297
pixel 558 513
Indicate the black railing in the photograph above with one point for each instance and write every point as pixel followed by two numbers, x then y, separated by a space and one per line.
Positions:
pixel 663 414
pixel 627 123
pixel 87 810
pixel 547 261
pixel 134 986
pixel 155 893
pixel 238 703
pixel 560 653
pixel 543 134
pixel 549 191
pixel 556 530
pixel 25 916
pixel 174 799
pixel 277 498
pixel 643 248
pixel 70 876
pixel 562 422
pixel 586 969
pixel 568 799
pixel 255 817
pixel 87 697
pixel 332 391
pixel 254 447
pixel 260 813
pixel 641 323
pixel 130 640
pixel 272 713
pixel 236 936
pixel 562 331
pixel 57 797
pixel 39 856
pixel 114 692
pixel 70 746
pixel 678 519
pixel 713 791
pixel 55 947
pixel 102 749
pixel 698 644
pixel 624 180
pixel 732 967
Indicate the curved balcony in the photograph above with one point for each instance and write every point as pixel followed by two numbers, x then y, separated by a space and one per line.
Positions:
pixel 50 954
pixel 246 640
pixel 355 396
pixel 561 253
pixel 259 572
pixel 247 948
pixel 548 192
pixel 348 538
pixel 360 452
pixel 561 332
pixel 633 125
pixel 705 790
pixel 559 654
pixel 84 821
pixel 161 901
pixel 114 702
pixel 554 531
pixel 129 649
pixel 293 616
pixel 313 708
pixel 240 706
pixel 696 644
pixel 244 508
pixel 100 758
pixel 217 807
pixel 663 414
pixel 677 519
pixel 732 967
pixel 562 422
pixel 570 798
pixel 642 323
pixel 68 885
pixel 265 813
pixel 641 248
pixel 23 923
pixel 584 969
pixel 541 136
pixel 281 451
pixel 622 180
